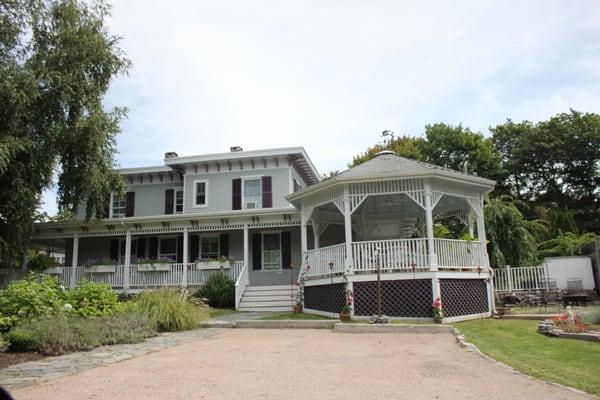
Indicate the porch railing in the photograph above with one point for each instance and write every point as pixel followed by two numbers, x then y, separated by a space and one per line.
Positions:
pixel 326 260
pixel 392 255
pixel 454 254
pixel 137 279
pixel 240 285
pixel 520 279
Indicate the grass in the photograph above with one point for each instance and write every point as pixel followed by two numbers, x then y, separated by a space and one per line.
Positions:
pixel 169 312
pixel 516 343
pixel 294 316
pixel 555 309
pixel 219 312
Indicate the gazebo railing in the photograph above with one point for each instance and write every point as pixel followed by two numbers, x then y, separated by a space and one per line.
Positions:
pixel 452 254
pixel 393 255
pixel 326 260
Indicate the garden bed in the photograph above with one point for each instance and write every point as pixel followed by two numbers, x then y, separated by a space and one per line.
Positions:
pixel 7 359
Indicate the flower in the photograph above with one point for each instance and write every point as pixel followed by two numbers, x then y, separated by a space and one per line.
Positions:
pixel 437 303
pixel 67 307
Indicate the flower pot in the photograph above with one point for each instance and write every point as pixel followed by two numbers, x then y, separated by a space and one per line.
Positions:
pixel 298 308
pixel 100 269
pixel 54 271
pixel 147 267
pixel 205 265
pixel 344 317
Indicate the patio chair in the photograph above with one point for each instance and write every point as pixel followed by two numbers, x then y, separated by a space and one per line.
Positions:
pixel 574 286
pixel 551 298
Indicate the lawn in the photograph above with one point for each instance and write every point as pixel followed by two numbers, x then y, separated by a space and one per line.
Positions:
pixel 218 312
pixel 516 343
pixel 291 315
pixel 555 309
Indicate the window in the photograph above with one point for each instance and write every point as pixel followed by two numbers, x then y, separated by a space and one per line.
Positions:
pixel 200 193
pixel 133 252
pixel 179 202
pixel 252 193
pixel 118 207
pixel 167 248
pixel 209 247
pixel 271 251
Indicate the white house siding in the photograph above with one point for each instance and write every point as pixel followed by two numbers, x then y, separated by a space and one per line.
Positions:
pixel 150 198
pixel 219 188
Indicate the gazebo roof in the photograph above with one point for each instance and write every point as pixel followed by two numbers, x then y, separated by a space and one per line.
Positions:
pixel 388 165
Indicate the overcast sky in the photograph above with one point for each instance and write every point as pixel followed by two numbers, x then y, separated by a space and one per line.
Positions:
pixel 331 75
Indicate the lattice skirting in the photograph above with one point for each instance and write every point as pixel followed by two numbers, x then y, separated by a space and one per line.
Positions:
pixel 464 297
pixel 399 298
pixel 328 298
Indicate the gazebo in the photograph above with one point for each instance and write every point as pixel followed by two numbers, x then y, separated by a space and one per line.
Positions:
pixel 382 214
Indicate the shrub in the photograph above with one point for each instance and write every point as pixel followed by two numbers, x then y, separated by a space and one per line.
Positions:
pixel 40 262
pixel 3 344
pixel 219 290
pixel 90 299
pixel 64 334
pixel 33 296
pixel 169 311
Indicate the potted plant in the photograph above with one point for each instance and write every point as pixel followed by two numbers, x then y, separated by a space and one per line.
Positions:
pixel 102 266
pixel 298 308
pixel 154 264
pixel 345 312
pixel 214 263
pixel 437 311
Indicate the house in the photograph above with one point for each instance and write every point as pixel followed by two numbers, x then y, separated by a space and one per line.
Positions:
pixel 267 219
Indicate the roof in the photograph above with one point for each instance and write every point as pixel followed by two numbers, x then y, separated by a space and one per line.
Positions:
pixel 389 165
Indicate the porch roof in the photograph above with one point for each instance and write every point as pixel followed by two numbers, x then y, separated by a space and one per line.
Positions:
pixel 388 165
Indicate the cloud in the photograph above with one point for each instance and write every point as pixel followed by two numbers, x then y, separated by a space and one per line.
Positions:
pixel 331 75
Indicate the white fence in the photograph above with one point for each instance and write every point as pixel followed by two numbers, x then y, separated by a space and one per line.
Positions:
pixel 137 279
pixel 326 260
pixel 520 279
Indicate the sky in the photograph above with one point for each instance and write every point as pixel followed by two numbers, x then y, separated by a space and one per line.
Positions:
pixel 332 75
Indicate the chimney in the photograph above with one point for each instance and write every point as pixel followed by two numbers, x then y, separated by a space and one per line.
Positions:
pixel 170 154
pixel 235 149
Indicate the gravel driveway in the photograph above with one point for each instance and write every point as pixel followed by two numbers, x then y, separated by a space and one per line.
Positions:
pixel 303 364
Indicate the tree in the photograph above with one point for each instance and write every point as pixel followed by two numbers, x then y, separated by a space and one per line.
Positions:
pixel 57 60
pixel 566 244
pixel 554 163
pixel 510 241
pixel 406 146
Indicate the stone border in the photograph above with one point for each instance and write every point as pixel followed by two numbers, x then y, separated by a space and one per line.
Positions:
pixel 462 342
pixel 274 324
pixel 391 328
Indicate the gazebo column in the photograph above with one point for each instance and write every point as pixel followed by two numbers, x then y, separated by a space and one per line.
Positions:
pixel 316 227
pixel 349 263
pixel 127 265
pixel 433 261
pixel 74 261
pixel 303 237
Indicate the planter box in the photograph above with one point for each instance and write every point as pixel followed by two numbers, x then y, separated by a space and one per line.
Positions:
pixel 204 265
pixel 154 267
pixel 54 271
pixel 100 269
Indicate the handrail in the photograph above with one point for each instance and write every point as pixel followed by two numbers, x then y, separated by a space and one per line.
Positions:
pixel 240 285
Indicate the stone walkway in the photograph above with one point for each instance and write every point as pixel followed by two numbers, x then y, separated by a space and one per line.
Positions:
pixel 29 373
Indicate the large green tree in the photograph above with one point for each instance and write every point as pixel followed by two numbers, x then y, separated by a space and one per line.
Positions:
pixel 554 163
pixel 57 60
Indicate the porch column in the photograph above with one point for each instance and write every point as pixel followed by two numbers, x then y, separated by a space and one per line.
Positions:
pixel 481 234
pixel 185 257
pixel 246 246
pixel 127 265
pixel 74 261
pixel 349 267
pixel 316 228
pixel 433 262
pixel 303 238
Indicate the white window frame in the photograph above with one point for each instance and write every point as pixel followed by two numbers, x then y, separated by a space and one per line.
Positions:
pixel 263 251
pixel 159 254
pixel 175 191
pixel 111 213
pixel 200 256
pixel 194 205
pixel 133 256
pixel 252 178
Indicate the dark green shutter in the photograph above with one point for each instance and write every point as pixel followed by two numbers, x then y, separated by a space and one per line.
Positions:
pixel 141 248
pixel 236 194
pixel 267 192
pixel 129 204
pixel 224 245
pixel 286 250
pixel 256 251
pixel 114 249
pixel 194 247
pixel 153 248
pixel 169 198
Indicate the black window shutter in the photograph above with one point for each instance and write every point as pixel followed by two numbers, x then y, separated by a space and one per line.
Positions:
pixel 267 192
pixel 114 249
pixel 180 249
pixel 129 204
pixel 141 248
pixel 153 248
pixel 107 205
pixel 236 194
pixel 286 250
pixel 169 198
pixel 194 247
pixel 224 245
pixel 256 251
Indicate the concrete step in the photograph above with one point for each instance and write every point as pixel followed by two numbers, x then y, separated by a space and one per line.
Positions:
pixel 287 297
pixel 270 303
pixel 275 309
pixel 271 293
pixel 273 287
